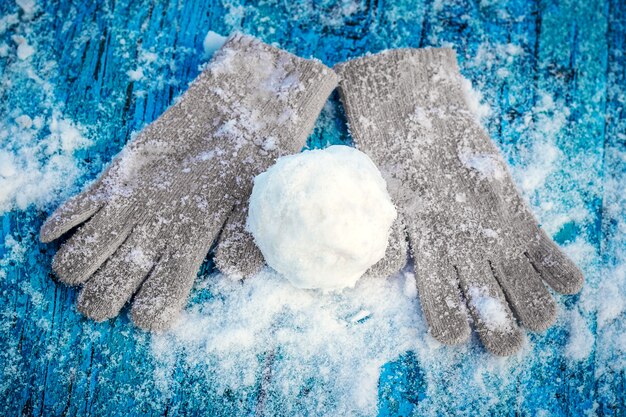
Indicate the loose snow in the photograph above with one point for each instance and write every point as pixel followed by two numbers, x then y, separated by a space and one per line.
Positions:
pixel 32 170
pixel 276 334
pixel 474 100
pixel 489 309
pixel 487 165
pixel 331 344
pixel 24 50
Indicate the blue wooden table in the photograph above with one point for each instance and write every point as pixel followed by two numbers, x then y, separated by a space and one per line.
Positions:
pixel 553 73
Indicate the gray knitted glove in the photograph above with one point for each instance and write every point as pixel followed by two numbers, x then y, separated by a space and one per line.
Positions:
pixel 149 220
pixel 474 241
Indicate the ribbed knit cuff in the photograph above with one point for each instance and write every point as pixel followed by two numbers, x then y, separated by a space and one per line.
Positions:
pixel 382 92
pixel 277 96
pixel 401 71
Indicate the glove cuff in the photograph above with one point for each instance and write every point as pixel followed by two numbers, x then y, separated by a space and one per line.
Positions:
pixel 383 93
pixel 268 95
pixel 429 75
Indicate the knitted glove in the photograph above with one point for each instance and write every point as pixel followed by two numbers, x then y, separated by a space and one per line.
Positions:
pixel 149 220
pixel 475 244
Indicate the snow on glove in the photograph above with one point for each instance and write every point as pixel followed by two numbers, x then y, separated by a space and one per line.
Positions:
pixel 475 244
pixel 149 220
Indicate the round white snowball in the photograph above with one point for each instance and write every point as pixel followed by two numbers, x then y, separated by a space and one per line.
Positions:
pixel 321 218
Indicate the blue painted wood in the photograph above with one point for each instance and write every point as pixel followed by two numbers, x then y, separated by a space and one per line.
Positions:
pixel 54 362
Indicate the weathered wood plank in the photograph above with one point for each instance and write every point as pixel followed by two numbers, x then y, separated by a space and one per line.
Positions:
pixel 54 362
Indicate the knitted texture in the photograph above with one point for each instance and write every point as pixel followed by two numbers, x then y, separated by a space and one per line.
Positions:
pixel 149 220
pixel 475 244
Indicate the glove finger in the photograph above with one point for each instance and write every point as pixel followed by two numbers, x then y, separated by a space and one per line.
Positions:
pixel 91 245
pixel 492 316
pixel 395 255
pixel 165 291
pixel 555 268
pixel 237 254
pixel 103 296
pixel 439 294
pixel 72 213
pixel 527 294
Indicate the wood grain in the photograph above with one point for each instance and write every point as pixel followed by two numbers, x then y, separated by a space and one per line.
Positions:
pixel 53 362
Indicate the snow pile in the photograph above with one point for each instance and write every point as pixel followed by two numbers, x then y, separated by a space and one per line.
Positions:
pixel 322 217
pixel 38 142
pixel 32 170
pixel 490 310
pixel 306 350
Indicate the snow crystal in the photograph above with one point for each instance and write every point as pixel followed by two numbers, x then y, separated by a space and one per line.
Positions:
pixel 24 50
pixel 410 286
pixel 7 21
pixel 139 258
pixel 421 118
pixel 269 144
pixel 490 233
pixel 27 6
pixel 437 5
pixel 513 50
pixel 136 74
pixel 488 55
pixel 487 165
pixel 148 57
pixel 542 165
pixel 361 315
pixel 65 136
pixel 24 121
pixel 212 42
pixel 322 217
pixel 7 166
pixel 612 306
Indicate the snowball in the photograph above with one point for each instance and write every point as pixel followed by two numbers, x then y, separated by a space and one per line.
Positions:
pixel 321 218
